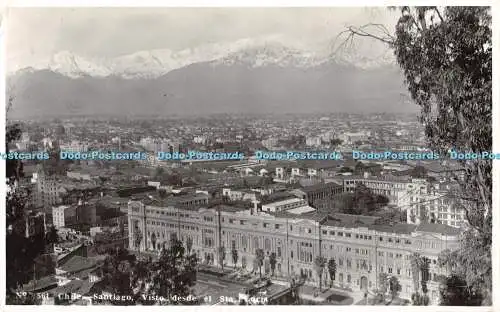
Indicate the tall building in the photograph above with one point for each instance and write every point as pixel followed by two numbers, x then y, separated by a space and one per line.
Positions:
pixel 47 191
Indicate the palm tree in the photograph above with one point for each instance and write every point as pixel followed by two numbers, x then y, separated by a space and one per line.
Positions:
pixel 272 262
pixel 153 240
pixel 138 238
pixel 319 266
pixel 394 287
pixel 332 270
pixel 222 256
pixel 189 244
pixel 416 262
pixel 234 255
pixel 259 257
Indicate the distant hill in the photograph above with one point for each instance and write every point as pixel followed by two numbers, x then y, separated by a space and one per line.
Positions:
pixel 250 81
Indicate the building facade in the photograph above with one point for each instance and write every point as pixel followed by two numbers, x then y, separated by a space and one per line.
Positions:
pixel 362 250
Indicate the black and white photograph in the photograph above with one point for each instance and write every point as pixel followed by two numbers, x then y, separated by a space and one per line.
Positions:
pixel 253 156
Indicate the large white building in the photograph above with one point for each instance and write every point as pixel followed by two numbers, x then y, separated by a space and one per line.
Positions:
pixel 361 248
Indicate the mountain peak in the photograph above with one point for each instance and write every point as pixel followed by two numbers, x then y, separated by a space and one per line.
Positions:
pixel 250 52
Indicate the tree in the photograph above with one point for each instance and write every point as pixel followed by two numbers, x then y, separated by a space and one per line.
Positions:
pixel 332 270
pixel 153 240
pixel 162 193
pixel 419 299
pixel 137 238
pixel 234 255
pixel 319 266
pixel 336 142
pixel 174 273
pixel 394 286
pixel 52 237
pixel 259 259
pixel 446 58
pixel 416 263
pixel 20 251
pixel 272 262
pixel 117 274
pixel 383 284
pixel 222 256
pixel 455 292
pixel 189 244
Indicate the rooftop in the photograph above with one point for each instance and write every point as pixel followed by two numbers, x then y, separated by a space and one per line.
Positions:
pixel 285 202
pixel 319 186
pixel 301 210
pixel 77 263
pixel 438 228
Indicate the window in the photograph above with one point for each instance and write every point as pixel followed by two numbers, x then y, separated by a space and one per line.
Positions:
pixel 332 232
pixel 389 270
pixel 348 234
pixel 267 244
pixel 324 232
pixel 309 231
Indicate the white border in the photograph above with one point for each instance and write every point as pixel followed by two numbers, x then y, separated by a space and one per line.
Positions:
pixel 263 3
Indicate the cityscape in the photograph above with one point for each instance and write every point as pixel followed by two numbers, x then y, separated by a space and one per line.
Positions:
pixel 271 206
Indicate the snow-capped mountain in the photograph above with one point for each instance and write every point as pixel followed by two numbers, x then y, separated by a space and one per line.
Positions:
pixel 155 63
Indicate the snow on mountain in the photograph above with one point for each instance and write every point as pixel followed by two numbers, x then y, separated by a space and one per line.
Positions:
pixel 74 66
pixel 250 52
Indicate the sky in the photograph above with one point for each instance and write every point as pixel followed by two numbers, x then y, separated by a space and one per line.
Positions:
pixel 34 34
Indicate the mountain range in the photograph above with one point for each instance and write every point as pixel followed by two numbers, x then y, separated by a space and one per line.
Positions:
pixel 241 77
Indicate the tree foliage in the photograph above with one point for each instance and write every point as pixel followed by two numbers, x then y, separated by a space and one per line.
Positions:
pixel 332 270
pixel 259 259
pixel 456 293
pixel 116 273
pixel 446 58
pixel 234 256
pixel 319 265
pixel 174 273
pixel 21 251
pixel 394 286
pixel 361 202
pixel 272 262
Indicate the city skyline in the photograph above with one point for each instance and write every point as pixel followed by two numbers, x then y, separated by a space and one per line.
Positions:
pixel 224 156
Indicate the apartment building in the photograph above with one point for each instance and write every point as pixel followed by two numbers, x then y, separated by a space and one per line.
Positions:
pixel 47 191
pixel 393 187
pixel 361 248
